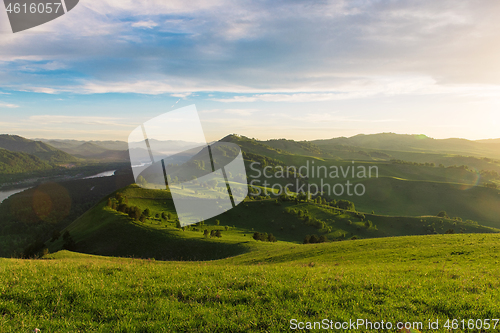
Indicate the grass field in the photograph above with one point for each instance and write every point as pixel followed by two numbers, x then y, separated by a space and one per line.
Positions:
pixel 104 231
pixel 407 279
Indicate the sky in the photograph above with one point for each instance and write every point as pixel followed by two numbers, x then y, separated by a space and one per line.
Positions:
pixel 300 70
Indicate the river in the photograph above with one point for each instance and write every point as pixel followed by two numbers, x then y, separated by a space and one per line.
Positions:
pixel 5 194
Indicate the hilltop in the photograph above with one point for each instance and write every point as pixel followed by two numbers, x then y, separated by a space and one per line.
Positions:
pixel 415 143
pixel 39 149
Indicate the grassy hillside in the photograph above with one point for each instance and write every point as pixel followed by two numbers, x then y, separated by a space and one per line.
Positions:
pixel 37 148
pixel 392 196
pixel 105 231
pixel 405 142
pixel 15 163
pixel 31 216
pixel 403 279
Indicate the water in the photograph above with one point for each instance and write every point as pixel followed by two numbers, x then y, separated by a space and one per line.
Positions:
pixel 5 194
pixel 102 174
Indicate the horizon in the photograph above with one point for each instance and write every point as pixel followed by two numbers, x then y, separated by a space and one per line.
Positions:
pixel 259 139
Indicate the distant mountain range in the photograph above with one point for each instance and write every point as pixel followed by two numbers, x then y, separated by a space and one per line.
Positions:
pixel 39 149
pixel 406 142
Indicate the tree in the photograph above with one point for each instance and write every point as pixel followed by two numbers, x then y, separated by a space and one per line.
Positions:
pixel 135 213
pixel 177 224
pixel 123 208
pixel 147 212
pixel 442 214
pixel 69 243
pixel 206 233
pixel 313 239
pixel 217 222
pixel 163 215
pixel 141 181
pixel 55 235
pixel 322 239
pixel 271 238
pixel 218 234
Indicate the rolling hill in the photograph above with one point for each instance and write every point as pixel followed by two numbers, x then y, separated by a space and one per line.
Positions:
pixel 104 231
pixel 413 279
pixel 16 163
pixel 37 148
pixel 415 143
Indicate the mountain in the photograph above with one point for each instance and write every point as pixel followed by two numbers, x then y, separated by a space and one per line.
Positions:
pixel 70 144
pixel 497 141
pixel 415 143
pixel 14 162
pixel 103 151
pixel 39 149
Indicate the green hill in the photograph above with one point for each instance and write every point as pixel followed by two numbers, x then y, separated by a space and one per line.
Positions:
pixel 33 215
pixel 105 231
pixel 417 143
pixel 392 196
pixel 417 279
pixel 37 148
pixel 16 163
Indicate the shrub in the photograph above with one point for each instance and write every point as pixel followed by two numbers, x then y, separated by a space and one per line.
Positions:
pixel 442 214
pixel 307 239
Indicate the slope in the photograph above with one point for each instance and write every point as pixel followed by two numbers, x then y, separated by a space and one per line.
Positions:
pixel 37 148
pixel 106 231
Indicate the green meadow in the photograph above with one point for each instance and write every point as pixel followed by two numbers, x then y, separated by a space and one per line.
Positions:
pixel 402 279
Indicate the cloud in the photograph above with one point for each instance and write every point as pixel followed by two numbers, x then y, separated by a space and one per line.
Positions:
pixel 79 120
pixel 8 105
pixel 145 24
pixel 181 95
pixel 336 50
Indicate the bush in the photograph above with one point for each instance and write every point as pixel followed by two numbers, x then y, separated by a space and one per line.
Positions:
pixel 264 237
pixel 34 250
pixel 69 243
pixel 307 239
pixel 442 214
pixel 134 212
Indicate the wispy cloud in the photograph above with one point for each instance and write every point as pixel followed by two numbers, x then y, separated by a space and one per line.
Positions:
pixel 8 105
pixel 80 120
pixel 145 24
pixel 264 46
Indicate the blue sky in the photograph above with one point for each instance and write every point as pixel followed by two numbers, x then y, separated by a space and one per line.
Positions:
pixel 265 69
